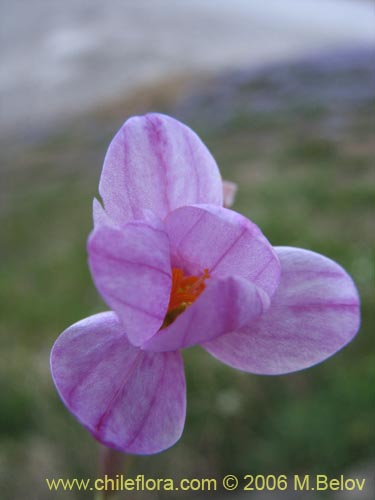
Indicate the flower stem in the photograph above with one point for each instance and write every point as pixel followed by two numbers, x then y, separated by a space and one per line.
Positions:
pixel 112 463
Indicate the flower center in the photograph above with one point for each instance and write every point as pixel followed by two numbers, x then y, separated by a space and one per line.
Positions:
pixel 185 290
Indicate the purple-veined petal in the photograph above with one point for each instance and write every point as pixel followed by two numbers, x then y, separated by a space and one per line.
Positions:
pixel 128 399
pixel 131 269
pixel 155 162
pixel 224 242
pixel 313 314
pixel 226 304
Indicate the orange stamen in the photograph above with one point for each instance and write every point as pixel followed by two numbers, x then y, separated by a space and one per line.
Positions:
pixel 185 290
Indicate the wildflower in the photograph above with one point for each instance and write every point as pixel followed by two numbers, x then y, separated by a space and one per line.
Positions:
pixel 178 269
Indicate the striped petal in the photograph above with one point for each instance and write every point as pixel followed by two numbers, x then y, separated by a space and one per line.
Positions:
pixel 313 314
pixel 155 162
pixel 128 399
pixel 131 269
pixel 224 242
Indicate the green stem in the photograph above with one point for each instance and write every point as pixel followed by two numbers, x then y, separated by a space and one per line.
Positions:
pixel 99 495
pixel 111 463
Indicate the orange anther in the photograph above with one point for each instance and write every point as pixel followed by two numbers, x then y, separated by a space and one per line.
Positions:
pixel 184 291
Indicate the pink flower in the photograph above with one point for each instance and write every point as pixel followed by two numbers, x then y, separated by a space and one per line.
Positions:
pixel 178 269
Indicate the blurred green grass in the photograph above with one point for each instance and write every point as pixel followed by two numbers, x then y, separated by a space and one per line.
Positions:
pixel 305 175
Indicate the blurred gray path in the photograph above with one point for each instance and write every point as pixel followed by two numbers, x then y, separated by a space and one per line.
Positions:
pixel 62 57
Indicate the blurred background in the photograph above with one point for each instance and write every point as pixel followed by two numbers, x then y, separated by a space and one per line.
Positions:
pixel 283 95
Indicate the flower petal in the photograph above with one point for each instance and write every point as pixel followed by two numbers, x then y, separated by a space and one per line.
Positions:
pixel 128 399
pixel 99 215
pixel 131 269
pixel 226 304
pixel 313 314
pixel 224 242
pixel 155 162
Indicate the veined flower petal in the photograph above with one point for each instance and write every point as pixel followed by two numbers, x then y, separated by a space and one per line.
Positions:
pixel 225 304
pixel 313 314
pixel 155 162
pixel 131 269
pixel 128 399
pixel 224 242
